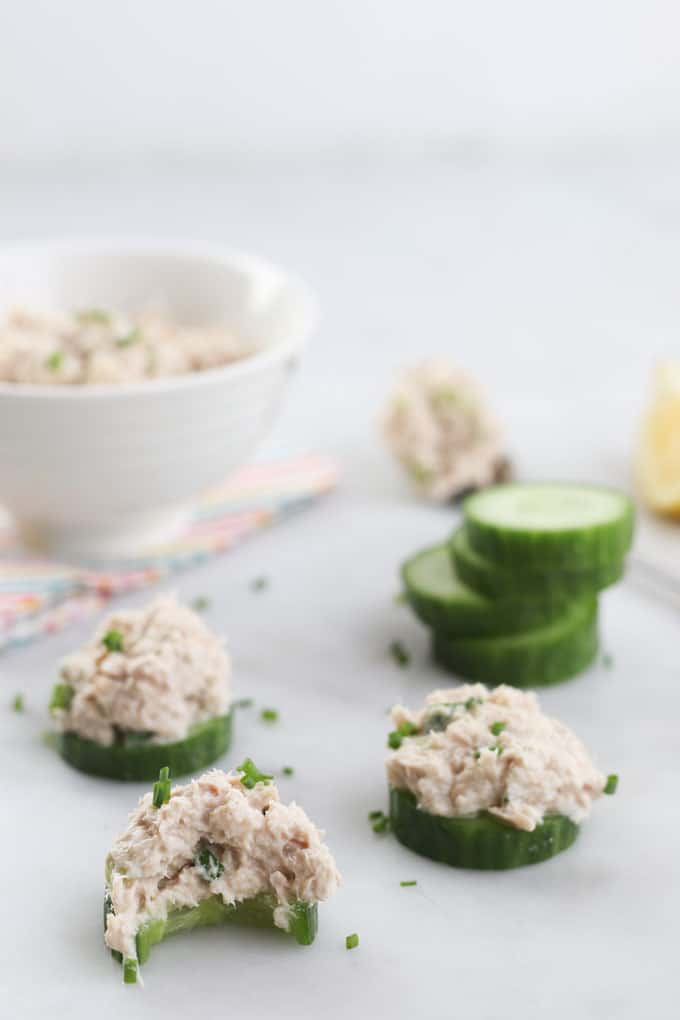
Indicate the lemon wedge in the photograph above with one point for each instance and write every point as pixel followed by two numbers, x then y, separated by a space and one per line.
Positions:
pixel 658 466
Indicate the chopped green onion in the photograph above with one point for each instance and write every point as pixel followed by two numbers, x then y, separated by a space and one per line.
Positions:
pixel 259 583
pixel 62 696
pixel 243 703
pixel 269 715
pixel 18 703
pixel 94 315
pixel 498 748
pixel 381 822
pixel 113 640
pixel 399 654
pixel 405 729
pixel 133 337
pixel 477 755
pixel 352 941
pixel 288 770
pixel 410 882
pixel 54 361
pixel 251 775
pixel 472 703
pixel 206 861
pixel 497 728
pixel 611 784
pixel 200 603
pixel 161 788
pixel 373 815
pixel 129 971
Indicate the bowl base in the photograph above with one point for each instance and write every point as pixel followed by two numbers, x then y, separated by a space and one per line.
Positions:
pixel 124 537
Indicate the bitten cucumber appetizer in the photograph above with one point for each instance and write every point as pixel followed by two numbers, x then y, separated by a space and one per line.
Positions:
pixel 221 850
pixel 513 594
pixel 151 689
pixel 482 778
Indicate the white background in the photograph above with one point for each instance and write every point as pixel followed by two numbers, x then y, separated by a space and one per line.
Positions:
pixel 495 180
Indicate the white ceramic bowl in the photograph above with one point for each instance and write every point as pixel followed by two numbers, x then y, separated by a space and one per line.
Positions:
pixel 96 472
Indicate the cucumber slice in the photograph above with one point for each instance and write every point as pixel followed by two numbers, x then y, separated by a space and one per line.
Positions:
pixel 142 760
pixel 528 585
pixel 535 658
pixel 257 912
pixel 440 599
pixel 481 841
pixel 550 524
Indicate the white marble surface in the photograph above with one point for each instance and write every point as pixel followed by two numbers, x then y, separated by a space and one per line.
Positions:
pixel 558 285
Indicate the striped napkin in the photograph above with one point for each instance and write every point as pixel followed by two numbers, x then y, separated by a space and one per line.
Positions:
pixel 39 597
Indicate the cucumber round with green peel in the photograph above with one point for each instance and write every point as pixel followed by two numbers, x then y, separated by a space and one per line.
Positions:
pixel 257 912
pixel 529 585
pixel 141 760
pixel 481 841
pixel 534 658
pixel 546 525
pixel 442 601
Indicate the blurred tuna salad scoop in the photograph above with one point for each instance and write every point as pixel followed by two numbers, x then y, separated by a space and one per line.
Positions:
pixel 151 688
pixel 440 428
pixel 100 346
pixel 222 849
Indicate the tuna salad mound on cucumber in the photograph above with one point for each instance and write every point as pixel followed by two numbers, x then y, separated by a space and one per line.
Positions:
pixel 222 849
pixel 482 778
pixel 151 688
pixel 439 427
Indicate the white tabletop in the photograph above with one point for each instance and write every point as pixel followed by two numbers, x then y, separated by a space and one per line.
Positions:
pixel 558 287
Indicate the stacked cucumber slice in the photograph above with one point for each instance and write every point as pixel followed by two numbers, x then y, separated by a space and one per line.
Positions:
pixel 512 597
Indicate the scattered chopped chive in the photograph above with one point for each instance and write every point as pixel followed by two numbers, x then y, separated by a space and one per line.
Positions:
pixel 259 583
pixel 381 823
pixel 401 598
pixel 133 337
pixel 243 703
pixel 352 941
pixel 497 728
pixel 251 775
pixel 611 784
pixel 288 770
pixel 471 703
pixel 62 696
pixel 498 748
pixel 405 729
pixel 96 315
pixel 161 788
pixel 201 603
pixel 129 971
pixel 269 715
pixel 113 640
pixel 374 815
pixel 477 755
pixel 411 881
pixel 18 703
pixel 54 361
pixel 607 660
pixel 206 861
pixel 399 654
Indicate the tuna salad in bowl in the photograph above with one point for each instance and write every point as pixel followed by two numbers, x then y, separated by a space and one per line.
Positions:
pixel 150 689
pixel 221 850
pixel 482 778
pixel 133 377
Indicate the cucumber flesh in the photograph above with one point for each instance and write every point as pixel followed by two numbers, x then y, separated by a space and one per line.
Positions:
pixel 534 658
pixel 257 912
pixel 528 584
pixel 442 601
pixel 141 760
pixel 481 841
pixel 550 524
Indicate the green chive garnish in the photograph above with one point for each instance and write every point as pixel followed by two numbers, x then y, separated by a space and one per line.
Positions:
pixel 497 728
pixel 206 861
pixel 269 715
pixel 381 821
pixel 374 815
pixel 200 603
pixel 62 696
pixel 411 881
pixel 471 703
pixel 498 748
pixel 611 784
pixel 251 775
pixel 161 788
pixel 113 640
pixel 288 770
pixel 129 971
pixel 352 941
pixel 93 315
pixel 18 703
pixel 405 729
pixel 259 583
pixel 133 337
pixel 399 654
pixel 54 361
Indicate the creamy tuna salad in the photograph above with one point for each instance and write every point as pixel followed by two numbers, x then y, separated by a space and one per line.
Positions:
pixel 471 749
pixel 214 836
pixel 439 427
pixel 156 671
pixel 96 345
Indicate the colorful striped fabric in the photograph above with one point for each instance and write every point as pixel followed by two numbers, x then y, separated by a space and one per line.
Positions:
pixel 38 597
